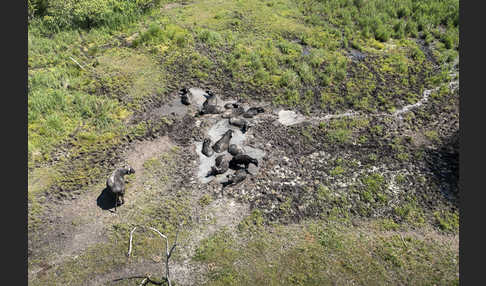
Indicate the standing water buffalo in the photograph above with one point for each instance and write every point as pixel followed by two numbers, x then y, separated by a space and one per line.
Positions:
pixel 116 183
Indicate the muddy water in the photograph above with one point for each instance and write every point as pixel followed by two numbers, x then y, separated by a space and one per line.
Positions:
pixel 407 108
pixel 289 117
pixel 198 96
pixel 218 127
pixel 357 55
pixel 174 107
pixel 285 117
pixel 305 50
pixel 217 131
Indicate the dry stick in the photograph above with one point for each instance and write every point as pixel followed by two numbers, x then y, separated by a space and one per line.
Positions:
pixel 77 63
pixel 167 252
pixel 403 241
pixel 144 282
pixel 131 277
pixel 82 66
pixel 146 279
pixel 92 69
pixel 131 236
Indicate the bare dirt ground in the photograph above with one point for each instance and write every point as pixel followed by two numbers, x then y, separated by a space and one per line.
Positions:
pixel 80 223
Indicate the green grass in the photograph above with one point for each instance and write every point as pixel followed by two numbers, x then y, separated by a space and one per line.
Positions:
pixel 342 130
pixel 39 182
pixel 432 135
pixel 448 221
pixel 410 213
pixel 205 200
pixel 56 15
pixel 324 254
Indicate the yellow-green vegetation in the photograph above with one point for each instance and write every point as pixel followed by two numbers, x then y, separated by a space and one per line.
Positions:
pixel 205 200
pixel 56 15
pixel 410 213
pixel 320 253
pixel 448 221
pixel 374 186
pixel 388 224
pixel 340 130
pixel 39 182
pixel 108 257
pixel 432 135
pixel 160 209
pixel 97 260
pixel 254 222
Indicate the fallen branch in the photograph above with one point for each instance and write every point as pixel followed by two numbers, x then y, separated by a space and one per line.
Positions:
pixel 77 63
pixel 92 70
pixel 168 254
pixel 131 236
pixel 131 277
pixel 403 241
pixel 146 279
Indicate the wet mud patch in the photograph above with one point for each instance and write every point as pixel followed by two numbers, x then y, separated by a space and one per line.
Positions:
pixel 324 184
pixel 173 108
pixel 212 126
pixel 289 117
pixel 182 131
pixel 444 164
pixel 307 175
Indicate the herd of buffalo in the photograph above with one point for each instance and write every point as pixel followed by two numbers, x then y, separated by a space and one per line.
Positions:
pixel 236 159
